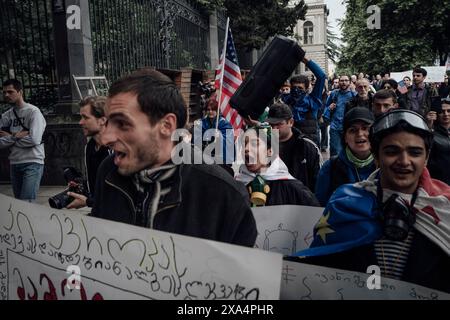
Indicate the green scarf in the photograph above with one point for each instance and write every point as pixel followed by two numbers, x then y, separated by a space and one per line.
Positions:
pixel 358 162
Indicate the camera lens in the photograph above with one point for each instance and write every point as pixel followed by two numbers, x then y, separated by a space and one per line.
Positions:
pixel 59 201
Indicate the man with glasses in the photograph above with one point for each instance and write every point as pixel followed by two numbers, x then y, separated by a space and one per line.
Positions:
pixel 300 154
pixel 397 219
pixel 334 112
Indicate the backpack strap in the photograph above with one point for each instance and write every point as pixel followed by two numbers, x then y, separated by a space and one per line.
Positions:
pixel 20 121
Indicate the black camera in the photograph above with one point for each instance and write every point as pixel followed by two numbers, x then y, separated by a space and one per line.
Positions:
pixel 398 218
pixel 76 184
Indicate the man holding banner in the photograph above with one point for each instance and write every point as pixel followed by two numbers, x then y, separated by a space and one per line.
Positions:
pixel 140 184
pixel 398 219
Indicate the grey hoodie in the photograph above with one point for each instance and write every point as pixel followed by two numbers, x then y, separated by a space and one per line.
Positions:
pixel 29 148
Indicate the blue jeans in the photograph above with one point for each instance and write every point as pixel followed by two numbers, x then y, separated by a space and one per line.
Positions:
pixel 335 142
pixel 26 179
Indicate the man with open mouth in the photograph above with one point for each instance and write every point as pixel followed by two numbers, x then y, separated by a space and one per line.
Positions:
pixel 141 185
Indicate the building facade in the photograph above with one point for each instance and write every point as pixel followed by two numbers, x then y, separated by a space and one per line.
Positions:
pixel 312 34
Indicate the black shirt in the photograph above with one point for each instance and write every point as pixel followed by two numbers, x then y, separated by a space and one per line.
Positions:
pixel 287 154
pixel 93 160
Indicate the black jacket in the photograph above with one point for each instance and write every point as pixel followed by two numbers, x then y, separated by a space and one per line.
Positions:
pixel 92 160
pixel 426 102
pixel 283 192
pixel 356 101
pixel 306 160
pixel 439 161
pixel 427 265
pixel 204 201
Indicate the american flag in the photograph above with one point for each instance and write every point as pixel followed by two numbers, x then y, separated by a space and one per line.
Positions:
pixel 231 81
pixel 402 87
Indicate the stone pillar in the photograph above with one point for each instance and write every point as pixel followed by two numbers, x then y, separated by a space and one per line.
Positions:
pixel 73 49
pixel 213 40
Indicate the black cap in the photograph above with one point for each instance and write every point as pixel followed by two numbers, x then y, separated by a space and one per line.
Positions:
pixel 279 112
pixel 358 114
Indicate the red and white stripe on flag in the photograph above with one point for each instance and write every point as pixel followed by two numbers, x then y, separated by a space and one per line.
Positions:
pixel 232 79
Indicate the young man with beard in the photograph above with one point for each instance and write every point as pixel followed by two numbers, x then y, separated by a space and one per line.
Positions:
pixel 141 185
pixel 397 219
pixel 92 122
pixel 334 112
pixel 301 155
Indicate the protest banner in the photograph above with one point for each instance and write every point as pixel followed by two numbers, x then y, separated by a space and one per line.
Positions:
pixel 398 76
pixel 301 281
pixel 434 74
pixel 285 229
pixel 60 254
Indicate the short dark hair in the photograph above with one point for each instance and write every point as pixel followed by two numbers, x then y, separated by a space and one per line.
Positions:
pixel 420 70
pixel 392 83
pixel 375 142
pixel 13 82
pixel 97 104
pixel 407 77
pixel 385 94
pixel 157 94
pixel 300 79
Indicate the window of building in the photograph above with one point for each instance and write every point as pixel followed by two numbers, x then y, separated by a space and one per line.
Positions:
pixel 308 32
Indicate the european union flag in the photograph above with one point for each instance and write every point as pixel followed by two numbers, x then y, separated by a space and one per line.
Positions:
pixel 351 219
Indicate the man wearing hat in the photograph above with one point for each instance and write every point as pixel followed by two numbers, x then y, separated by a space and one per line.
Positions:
pixel 300 154
pixel 398 219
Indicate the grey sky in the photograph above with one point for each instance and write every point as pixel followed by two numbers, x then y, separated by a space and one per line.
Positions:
pixel 337 11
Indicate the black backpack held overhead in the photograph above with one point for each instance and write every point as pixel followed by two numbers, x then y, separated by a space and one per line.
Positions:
pixel 267 76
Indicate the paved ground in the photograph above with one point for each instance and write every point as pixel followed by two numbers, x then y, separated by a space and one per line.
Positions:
pixel 45 192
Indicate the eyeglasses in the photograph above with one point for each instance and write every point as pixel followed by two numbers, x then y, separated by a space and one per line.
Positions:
pixel 392 118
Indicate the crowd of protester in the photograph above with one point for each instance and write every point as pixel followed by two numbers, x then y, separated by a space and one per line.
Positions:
pixel 389 147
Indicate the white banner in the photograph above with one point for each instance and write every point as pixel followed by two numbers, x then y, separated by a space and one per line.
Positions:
pixel 285 229
pixel 434 74
pixel 120 261
pixel 398 76
pixel 301 281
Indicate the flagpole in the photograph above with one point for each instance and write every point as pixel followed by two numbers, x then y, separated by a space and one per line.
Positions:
pixel 224 53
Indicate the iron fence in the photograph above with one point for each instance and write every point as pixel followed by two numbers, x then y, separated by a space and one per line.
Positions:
pixel 26 51
pixel 130 34
pixel 126 35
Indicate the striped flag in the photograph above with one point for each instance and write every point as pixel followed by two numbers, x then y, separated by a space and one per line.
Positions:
pixel 231 81
pixel 402 87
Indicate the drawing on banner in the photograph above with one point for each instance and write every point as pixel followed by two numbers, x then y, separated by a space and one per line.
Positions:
pixel 119 261
pixel 309 282
pixel 276 240
pixel 285 229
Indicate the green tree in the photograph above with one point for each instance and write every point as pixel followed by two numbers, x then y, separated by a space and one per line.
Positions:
pixel 333 51
pixel 253 22
pixel 412 33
